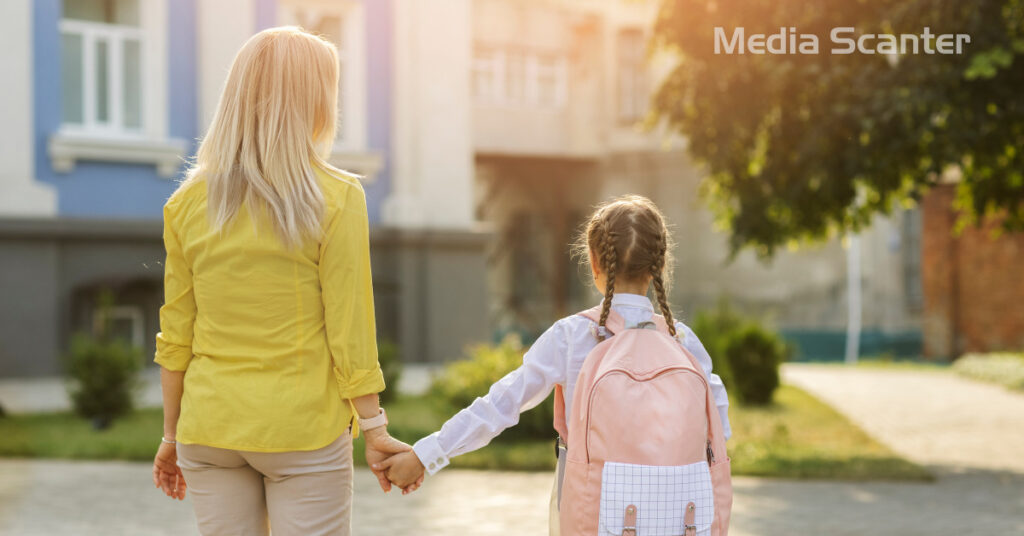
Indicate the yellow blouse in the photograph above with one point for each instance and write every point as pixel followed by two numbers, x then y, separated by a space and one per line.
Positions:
pixel 273 340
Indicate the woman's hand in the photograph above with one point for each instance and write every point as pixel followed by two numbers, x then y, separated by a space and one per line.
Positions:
pixel 379 447
pixel 166 473
pixel 405 470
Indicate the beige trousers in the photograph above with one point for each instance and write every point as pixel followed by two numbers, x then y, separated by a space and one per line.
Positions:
pixel 247 493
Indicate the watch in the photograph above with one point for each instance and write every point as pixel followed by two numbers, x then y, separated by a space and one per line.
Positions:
pixel 374 422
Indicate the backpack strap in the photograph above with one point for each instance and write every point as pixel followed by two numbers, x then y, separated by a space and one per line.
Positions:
pixel 613 325
pixel 560 426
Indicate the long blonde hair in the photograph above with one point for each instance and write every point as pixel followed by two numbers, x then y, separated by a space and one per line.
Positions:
pixel 275 121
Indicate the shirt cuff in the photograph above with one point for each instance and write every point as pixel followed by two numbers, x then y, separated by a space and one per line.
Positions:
pixel 172 356
pixel 430 453
pixel 360 382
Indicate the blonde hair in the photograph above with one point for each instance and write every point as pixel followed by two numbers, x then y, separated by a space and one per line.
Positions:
pixel 275 121
pixel 629 239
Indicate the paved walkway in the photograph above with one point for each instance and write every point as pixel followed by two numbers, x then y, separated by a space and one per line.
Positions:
pixel 935 418
pixel 114 498
pixel 970 433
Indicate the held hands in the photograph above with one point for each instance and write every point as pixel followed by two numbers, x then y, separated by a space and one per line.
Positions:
pixel 166 473
pixel 380 446
pixel 404 470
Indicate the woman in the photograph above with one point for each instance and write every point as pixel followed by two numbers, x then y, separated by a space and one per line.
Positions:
pixel 267 345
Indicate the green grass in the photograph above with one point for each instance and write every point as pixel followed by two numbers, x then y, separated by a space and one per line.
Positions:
pixel 64 435
pixel 888 363
pixel 1002 368
pixel 796 437
pixel 800 437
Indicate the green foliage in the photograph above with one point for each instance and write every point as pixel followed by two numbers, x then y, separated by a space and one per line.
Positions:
pixel 754 355
pixel 461 382
pixel 1005 368
pixel 744 354
pixel 713 327
pixel 391 366
pixel 103 374
pixel 795 437
pixel 805 146
pixel 102 371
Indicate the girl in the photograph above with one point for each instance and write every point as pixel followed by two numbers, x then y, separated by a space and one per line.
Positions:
pixel 628 246
pixel 267 346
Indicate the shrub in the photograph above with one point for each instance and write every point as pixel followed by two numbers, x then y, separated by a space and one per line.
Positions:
pixel 754 355
pixel 103 377
pixel 714 327
pixel 1003 368
pixel 461 382
pixel 102 371
pixel 391 366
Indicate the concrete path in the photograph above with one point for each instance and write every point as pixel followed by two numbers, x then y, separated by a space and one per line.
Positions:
pixel 113 498
pixel 935 418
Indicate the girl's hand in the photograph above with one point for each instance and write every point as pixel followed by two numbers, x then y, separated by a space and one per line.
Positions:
pixel 166 473
pixel 404 470
pixel 380 446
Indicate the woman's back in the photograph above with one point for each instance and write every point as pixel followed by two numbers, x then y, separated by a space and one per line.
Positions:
pixel 262 373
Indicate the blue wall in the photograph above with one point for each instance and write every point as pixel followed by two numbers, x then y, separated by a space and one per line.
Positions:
pixel 116 190
pixel 100 189
pixel 266 14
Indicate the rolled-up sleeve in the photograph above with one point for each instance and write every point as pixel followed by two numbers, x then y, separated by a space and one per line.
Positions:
pixel 347 291
pixel 178 314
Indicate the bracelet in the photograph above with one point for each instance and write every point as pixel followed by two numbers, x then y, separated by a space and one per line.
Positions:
pixel 168 441
pixel 374 422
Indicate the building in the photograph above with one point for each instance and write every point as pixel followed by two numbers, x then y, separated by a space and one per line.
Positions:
pixel 485 131
pixel 973 287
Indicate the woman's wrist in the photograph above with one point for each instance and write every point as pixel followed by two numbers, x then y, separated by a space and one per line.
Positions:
pixel 376 434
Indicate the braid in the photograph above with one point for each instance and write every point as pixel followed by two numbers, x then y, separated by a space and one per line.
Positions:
pixel 609 258
pixel 657 268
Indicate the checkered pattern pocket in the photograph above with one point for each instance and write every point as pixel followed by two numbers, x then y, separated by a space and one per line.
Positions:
pixel 660 494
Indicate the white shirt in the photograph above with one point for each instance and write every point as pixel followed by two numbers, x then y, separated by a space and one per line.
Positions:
pixel 556 358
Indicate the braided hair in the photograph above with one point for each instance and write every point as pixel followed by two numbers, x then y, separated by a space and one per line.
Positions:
pixel 630 241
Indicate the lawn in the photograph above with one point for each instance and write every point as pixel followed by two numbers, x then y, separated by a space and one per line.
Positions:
pixel 797 437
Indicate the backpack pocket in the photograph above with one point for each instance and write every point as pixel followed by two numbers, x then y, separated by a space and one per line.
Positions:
pixel 659 496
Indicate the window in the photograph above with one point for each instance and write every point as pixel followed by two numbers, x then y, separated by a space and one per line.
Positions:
pixel 125 322
pixel 911 251
pixel 515 76
pixel 342 23
pixel 549 77
pixel 632 76
pixel 518 77
pixel 102 45
pixel 486 71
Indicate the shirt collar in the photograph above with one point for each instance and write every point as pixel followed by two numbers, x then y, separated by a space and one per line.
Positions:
pixel 632 300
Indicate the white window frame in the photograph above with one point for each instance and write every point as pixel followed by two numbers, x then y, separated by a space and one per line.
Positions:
pixel 132 313
pixel 631 107
pixel 489 61
pixel 149 144
pixel 498 65
pixel 152 36
pixel 352 56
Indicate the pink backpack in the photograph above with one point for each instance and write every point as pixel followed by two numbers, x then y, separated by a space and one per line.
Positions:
pixel 647 453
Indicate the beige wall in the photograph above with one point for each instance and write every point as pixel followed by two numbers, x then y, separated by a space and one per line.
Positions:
pixel 22 194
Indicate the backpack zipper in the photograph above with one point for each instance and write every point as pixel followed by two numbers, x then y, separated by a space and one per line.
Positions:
pixel 674 368
pixel 711 454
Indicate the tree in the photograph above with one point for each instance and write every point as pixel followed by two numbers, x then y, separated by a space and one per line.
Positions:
pixel 802 146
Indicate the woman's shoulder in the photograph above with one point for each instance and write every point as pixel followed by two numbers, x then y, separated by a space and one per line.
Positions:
pixel 189 191
pixel 338 184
